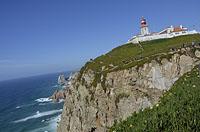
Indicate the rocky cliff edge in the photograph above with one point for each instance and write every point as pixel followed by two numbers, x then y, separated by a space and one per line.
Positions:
pixel 90 107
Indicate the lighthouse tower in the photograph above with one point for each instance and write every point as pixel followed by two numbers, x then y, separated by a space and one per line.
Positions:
pixel 144 27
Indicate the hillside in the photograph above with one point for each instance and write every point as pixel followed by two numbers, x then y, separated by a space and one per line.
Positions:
pixel 128 55
pixel 178 109
pixel 128 79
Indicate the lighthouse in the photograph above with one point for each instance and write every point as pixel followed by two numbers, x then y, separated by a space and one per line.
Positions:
pixel 169 32
pixel 144 27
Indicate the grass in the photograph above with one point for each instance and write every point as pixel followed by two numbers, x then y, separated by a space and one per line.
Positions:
pixel 129 55
pixel 125 56
pixel 178 110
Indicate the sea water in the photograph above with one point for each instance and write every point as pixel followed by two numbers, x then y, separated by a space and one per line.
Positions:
pixel 25 107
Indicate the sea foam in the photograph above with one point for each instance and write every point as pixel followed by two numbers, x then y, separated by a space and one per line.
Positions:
pixel 41 100
pixel 18 107
pixel 38 115
pixel 25 105
pixel 51 125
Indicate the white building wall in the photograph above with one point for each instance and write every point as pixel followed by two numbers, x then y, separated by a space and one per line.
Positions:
pixel 142 38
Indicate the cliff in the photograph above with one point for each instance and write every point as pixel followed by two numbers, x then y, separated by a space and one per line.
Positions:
pixel 178 109
pixel 115 85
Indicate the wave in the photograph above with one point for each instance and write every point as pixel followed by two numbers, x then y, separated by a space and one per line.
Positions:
pixel 38 115
pixel 53 122
pixel 25 105
pixel 18 107
pixel 61 100
pixel 51 125
pixel 41 100
pixel 46 103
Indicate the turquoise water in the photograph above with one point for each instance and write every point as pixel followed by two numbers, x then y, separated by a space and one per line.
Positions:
pixel 24 106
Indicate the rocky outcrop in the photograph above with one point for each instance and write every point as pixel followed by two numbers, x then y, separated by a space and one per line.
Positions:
pixel 91 107
pixel 62 80
pixel 58 95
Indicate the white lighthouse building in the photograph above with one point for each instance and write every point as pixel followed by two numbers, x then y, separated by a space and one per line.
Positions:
pixel 144 27
pixel 169 32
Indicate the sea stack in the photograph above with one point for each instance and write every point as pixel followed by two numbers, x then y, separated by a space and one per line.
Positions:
pixel 61 79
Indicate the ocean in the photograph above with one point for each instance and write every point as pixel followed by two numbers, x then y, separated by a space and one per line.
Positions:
pixel 25 107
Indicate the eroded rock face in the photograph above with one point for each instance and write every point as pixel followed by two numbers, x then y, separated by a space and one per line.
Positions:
pixel 96 108
pixel 57 95
pixel 88 77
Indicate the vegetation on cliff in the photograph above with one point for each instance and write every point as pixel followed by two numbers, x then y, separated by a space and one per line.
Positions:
pixel 178 109
pixel 130 54
pixel 131 78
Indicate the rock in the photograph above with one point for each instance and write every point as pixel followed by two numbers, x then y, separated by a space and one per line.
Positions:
pixel 61 80
pixel 197 53
pixel 103 68
pixel 186 64
pixel 111 65
pixel 126 107
pixel 188 48
pixel 58 95
pixel 183 50
pixel 88 77
pixel 89 107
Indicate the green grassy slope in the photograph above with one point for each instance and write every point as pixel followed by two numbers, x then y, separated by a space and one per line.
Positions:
pixel 178 110
pixel 126 56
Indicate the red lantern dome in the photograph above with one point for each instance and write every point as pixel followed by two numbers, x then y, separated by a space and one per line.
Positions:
pixel 143 22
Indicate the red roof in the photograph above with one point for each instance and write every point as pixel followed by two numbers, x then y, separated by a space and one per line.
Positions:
pixel 178 29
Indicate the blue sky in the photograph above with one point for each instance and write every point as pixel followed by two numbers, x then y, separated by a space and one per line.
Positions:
pixel 45 36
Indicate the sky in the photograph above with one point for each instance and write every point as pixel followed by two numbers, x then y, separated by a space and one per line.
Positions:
pixel 47 36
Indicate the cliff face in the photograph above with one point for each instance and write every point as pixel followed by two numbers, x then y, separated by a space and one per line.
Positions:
pixel 91 107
